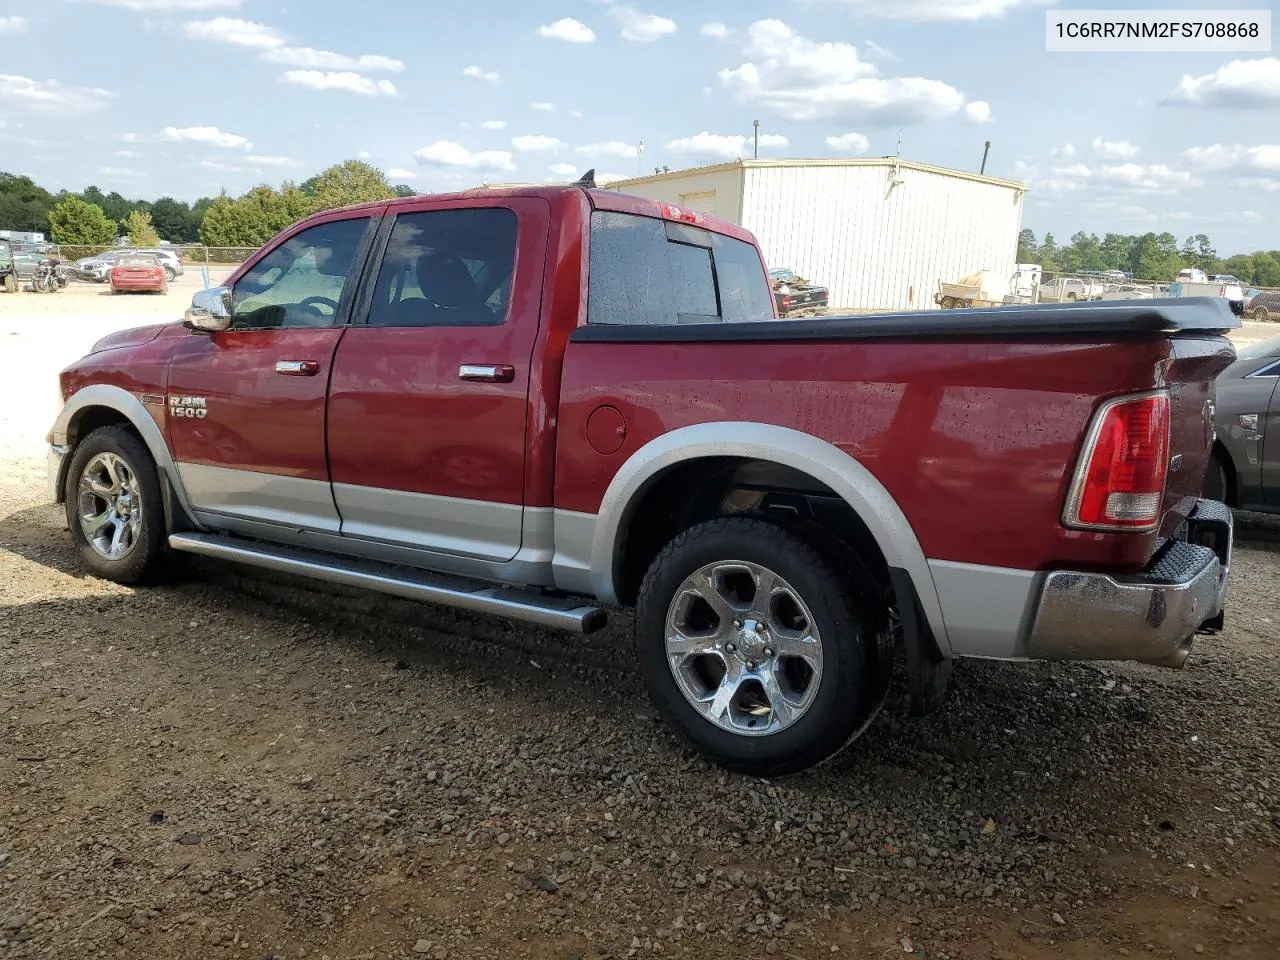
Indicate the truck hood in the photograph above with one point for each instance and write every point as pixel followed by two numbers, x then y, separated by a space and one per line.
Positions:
pixel 133 337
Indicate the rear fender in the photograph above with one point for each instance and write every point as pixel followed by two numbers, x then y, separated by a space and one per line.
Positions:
pixel 830 465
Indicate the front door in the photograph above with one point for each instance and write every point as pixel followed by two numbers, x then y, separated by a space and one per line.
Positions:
pixel 246 406
pixel 430 393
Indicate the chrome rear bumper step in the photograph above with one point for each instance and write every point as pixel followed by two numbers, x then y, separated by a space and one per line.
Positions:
pixel 476 596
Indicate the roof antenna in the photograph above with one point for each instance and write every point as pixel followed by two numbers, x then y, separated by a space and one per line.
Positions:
pixel 588 179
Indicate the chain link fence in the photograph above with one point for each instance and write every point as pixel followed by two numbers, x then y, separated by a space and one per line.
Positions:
pixel 189 253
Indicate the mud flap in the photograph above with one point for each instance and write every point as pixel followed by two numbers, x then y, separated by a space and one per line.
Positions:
pixel 928 672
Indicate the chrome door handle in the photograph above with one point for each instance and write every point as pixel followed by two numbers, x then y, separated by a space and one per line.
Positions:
pixel 487 372
pixel 297 368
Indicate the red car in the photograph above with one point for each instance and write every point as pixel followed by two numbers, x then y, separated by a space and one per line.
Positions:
pixel 138 273
pixel 543 402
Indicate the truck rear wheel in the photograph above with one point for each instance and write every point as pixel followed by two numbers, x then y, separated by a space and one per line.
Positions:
pixel 754 649
pixel 114 506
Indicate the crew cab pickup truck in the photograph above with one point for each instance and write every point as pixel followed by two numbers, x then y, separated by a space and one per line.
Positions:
pixel 541 403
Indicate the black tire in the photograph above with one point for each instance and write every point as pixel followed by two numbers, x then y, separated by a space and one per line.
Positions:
pixel 1261 314
pixel 140 563
pixel 850 690
pixel 1217 483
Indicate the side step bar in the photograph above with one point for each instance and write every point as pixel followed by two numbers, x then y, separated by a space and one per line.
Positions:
pixel 479 597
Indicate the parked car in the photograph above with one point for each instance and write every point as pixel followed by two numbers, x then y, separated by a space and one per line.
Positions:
pixel 617 416
pixel 1264 305
pixel 1244 470
pixel 1191 275
pixel 138 273
pixel 168 260
pixel 8 275
pixel 97 268
pixel 1233 293
pixel 796 296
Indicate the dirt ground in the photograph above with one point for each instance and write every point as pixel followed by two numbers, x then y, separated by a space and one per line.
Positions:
pixel 238 765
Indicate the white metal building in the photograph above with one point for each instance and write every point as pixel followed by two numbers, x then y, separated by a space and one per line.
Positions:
pixel 878 233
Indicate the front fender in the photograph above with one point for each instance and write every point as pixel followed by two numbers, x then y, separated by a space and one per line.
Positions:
pixel 65 435
pixel 848 478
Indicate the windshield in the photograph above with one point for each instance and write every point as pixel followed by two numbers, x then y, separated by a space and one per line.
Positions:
pixel 136 261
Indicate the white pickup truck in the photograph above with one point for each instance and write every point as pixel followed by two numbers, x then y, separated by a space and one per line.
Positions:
pixel 1231 292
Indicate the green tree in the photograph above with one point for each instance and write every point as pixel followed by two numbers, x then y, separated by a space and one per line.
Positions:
pixel 223 223
pixel 352 181
pixel 404 190
pixel 170 219
pixel 140 230
pixel 74 221
pixel 1049 254
pixel 1156 257
pixel 1116 250
pixel 1027 250
pixel 1266 268
pixel 24 204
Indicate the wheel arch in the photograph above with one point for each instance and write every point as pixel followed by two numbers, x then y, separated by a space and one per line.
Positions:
pixel 100 405
pixel 824 464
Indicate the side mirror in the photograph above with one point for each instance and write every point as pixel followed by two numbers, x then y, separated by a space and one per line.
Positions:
pixel 210 310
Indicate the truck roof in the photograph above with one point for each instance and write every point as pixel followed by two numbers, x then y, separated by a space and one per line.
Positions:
pixel 600 198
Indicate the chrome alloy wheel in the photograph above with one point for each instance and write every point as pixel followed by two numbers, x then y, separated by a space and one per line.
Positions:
pixel 110 506
pixel 744 648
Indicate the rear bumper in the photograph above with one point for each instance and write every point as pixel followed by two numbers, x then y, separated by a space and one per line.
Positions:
pixel 1153 616
pixel 143 286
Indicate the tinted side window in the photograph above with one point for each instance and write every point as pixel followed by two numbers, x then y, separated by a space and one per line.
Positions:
pixel 301 282
pixel 645 271
pixel 630 279
pixel 447 268
pixel 745 294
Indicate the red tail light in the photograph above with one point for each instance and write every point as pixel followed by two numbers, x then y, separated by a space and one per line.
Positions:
pixel 1119 483
pixel 671 212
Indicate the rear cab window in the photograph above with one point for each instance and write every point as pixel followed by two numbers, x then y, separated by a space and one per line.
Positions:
pixel 650 272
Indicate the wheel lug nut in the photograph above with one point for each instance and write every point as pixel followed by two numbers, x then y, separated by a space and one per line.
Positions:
pixel 768 652
pixel 737 624
pixel 751 664
pixel 731 647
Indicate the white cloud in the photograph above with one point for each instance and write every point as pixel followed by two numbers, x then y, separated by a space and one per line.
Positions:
pixel 353 82
pixel 13 24
pixel 479 73
pixel 604 178
pixel 1155 176
pixel 1067 150
pixel 720 145
pixel 639 26
pixel 1236 156
pixel 563 169
pixel 494 125
pixel 218 165
pixel 364 155
pixel 939 9
pixel 1240 83
pixel 977 111
pixel 576 114
pixel 313 59
pixel 399 173
pixel 883 53
pixel 1265 184
pixel 1115 149
pixel 118 172
pixel 446 153
pixel 130 138
pixel 275 48
pixel 273 161
pixel 1252 216
pixel 610 148
pixel 209 136
pixel 715 30
pixel 854 143
pixel 1074 170
pixel 161 5
pixel 569 30
pixel 240 33
pixel 49 96
pixel 808 80
pixel 535 143
pixel 542 106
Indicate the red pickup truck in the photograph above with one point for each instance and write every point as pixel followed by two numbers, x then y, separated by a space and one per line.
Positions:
pixel 542 402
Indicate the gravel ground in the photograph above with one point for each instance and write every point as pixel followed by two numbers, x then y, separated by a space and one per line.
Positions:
pixel 240 765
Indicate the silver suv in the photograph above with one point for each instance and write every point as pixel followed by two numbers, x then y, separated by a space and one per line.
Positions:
pixel 171 262
pixel 98 267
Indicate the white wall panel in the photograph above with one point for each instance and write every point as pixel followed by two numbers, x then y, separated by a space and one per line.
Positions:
pixel 726 182
pixel 877 246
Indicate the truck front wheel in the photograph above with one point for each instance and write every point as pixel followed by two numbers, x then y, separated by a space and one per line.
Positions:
pixel 114 506
pixel 754 650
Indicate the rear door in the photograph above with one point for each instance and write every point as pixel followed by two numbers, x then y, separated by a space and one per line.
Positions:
pixel 246 407
pixel 429 402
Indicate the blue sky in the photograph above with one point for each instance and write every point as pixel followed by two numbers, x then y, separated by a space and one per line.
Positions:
pixel 187 97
